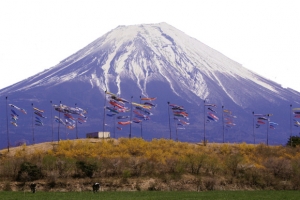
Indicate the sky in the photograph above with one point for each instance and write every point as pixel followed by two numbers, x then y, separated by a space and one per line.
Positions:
pixel 262 35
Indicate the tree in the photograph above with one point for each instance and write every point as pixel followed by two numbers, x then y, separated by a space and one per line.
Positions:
pixel 293 141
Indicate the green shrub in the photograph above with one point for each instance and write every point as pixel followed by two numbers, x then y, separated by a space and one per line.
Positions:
pixel 125 175
pixel 29 172
pixel 87 168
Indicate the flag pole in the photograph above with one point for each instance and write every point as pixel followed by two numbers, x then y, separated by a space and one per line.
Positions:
pixel 59 122
pixel 51 119
pixel 291 124
pixel 104 113
pixel 7 126
pixel 268 129
pixel 141 120
pixel 76 124
pixel 176 126
pixel 169 120
pixel 32 125
pixel 130 118
pixel 115 126
pixel 223 121
pixel 204 123
pixel 253 126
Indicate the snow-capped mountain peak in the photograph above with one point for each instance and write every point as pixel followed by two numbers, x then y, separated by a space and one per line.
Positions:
pixel 145 53
pixel 157 60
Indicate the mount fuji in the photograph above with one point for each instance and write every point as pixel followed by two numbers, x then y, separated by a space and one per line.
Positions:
pixel 152 60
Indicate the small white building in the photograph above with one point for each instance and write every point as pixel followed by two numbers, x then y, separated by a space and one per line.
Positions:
pixel 98 135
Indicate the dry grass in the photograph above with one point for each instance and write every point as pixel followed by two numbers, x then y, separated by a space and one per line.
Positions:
pixel 44 147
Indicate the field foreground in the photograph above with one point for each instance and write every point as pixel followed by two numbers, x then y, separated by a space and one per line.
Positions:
pixel 216 195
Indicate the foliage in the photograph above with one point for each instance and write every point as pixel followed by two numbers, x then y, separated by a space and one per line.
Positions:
pixel 293 141
pixel 29 172
pixel 208 167
pixel 87 168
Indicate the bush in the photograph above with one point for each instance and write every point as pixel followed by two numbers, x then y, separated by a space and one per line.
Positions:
pixel 87 168
pixel 29 172
pixel 125 175
pixel 210 183
pixel 232 162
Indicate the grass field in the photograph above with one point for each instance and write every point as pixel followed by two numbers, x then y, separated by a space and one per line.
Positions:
pixel 224 195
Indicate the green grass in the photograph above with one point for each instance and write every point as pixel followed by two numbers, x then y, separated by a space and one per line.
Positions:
pixel 241 195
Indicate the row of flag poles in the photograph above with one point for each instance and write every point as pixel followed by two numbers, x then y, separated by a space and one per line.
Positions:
pixel 71 117
pixel 118 108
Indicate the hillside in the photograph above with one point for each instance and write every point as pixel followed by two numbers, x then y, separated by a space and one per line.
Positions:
pixel 136 164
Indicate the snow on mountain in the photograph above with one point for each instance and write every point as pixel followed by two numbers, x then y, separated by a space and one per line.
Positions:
pixel 144 53
pixel 156 59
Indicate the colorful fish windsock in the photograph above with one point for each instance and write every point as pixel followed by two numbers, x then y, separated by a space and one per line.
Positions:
pixel 148 99
pixel 124 123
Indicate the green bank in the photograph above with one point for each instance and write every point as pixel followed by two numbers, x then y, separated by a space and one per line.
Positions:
pixel 224 195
